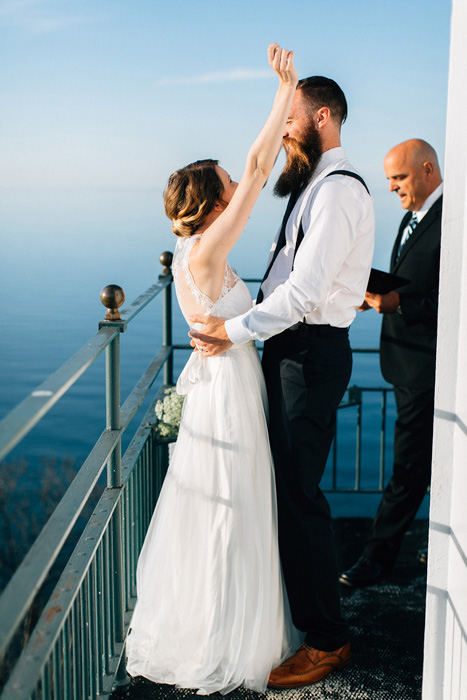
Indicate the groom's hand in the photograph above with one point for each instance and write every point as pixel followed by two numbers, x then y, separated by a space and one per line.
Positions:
pixel 213 340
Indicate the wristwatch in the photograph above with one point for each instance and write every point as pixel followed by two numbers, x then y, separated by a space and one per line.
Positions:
pixel 399 310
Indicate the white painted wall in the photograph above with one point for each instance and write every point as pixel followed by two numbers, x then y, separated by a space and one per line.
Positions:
pixel 445 664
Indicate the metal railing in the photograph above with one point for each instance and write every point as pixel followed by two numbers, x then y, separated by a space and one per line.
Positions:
pixel 76 649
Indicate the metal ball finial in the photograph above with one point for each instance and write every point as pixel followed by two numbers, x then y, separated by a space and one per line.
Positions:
pixel 166 260
pixel 112 296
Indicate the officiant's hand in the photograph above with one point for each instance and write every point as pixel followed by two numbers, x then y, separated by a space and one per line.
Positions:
pixel 213 339
pixel 383 303
pixel 364 306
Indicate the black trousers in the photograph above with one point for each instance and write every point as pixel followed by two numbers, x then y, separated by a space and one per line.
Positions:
pixel 307 372
pixel 413 436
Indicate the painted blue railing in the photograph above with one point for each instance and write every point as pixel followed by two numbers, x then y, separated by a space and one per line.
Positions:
pixel 76 648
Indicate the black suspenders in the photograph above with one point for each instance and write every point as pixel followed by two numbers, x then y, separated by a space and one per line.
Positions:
pixel 300 234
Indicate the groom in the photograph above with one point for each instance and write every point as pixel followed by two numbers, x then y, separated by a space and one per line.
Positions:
pixel 316 277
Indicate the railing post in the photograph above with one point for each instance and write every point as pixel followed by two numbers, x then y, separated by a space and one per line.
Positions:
pixel 382 455
pixel 113 298
pixel 166 260
pixel 112 401
pixel 355 396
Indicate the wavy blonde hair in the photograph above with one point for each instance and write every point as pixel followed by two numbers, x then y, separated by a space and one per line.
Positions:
pixel 191 194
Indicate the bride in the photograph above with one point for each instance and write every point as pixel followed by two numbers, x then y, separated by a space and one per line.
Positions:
pixel 212 612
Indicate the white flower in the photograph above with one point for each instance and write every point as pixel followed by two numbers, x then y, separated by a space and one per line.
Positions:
pixel 169 412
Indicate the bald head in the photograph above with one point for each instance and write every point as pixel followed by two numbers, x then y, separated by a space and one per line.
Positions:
pixel 413 172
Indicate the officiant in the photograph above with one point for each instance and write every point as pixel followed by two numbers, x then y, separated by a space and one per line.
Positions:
pixel 407 351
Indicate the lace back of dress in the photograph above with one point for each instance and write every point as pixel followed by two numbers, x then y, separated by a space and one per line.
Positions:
pixel 190 298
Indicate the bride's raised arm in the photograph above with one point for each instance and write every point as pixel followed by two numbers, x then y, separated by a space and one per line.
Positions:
pixel 218 239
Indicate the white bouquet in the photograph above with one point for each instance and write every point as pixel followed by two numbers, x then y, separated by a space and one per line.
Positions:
pixel 169 412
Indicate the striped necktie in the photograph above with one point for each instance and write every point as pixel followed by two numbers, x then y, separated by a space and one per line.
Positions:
pixel 409 229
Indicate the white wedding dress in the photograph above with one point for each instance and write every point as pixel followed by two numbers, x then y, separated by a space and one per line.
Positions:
pixel 212 613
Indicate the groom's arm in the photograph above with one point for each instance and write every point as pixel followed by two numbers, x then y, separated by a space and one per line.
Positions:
pixel 330 228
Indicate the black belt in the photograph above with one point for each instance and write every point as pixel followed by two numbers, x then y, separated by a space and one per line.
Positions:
pixel 305 329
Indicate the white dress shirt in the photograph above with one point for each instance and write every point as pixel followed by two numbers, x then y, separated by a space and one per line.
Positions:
pixel 424 209
pixel 332 265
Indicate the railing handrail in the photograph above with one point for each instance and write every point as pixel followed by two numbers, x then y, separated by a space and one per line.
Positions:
pixel 128 313
pixel 22 419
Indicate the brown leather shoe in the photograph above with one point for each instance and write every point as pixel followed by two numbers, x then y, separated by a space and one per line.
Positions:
pixel 309 666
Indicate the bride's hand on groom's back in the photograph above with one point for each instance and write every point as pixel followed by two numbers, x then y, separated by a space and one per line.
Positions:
pixel 281 61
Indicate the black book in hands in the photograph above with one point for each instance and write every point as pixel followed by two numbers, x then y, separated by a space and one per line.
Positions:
pixel 383 282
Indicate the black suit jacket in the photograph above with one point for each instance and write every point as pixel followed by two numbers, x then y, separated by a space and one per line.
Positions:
pixel 408 341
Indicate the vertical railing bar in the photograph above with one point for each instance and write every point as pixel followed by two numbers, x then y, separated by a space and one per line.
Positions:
pixel 56 673
pixel 155 469
pixel 167 332
pixel 87 632
pixel 90 629
pixel 135 524
pixel 118 574
pixel 151 477
pixel 146 487
pixel 143 500
pixel 45 682
pixel 60 648
pixel 358 446
pixel 94 626
pixel 111 593
pixel 142 504
pixel 119 584
pixel 124 561
pixel 334 459
pixel 131 486
pixel 76 649
pixel 50 676
pixel 119 588
pixel 90 624
pixel 102 608
pixel 127 549
pixel 66 661
pixel 159 470
pixel 100 617
pixel 138 505
pixel 108 597
pixel 130 538
pixel 382 458
pixel 151 474
pixel 84 647
pixel 146 483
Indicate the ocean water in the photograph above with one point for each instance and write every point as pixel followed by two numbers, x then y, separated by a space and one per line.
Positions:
pixel 59 250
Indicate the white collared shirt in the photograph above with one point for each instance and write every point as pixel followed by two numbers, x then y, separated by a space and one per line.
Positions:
pixel 424 209
pixel 429 201
pixel 332 266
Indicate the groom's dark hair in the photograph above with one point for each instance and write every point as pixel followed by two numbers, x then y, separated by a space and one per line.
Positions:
pixel 324 92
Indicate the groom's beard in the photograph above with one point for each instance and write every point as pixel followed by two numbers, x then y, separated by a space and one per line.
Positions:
pixel 302 159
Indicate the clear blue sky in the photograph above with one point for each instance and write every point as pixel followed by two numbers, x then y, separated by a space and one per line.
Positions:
pixel 117 94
